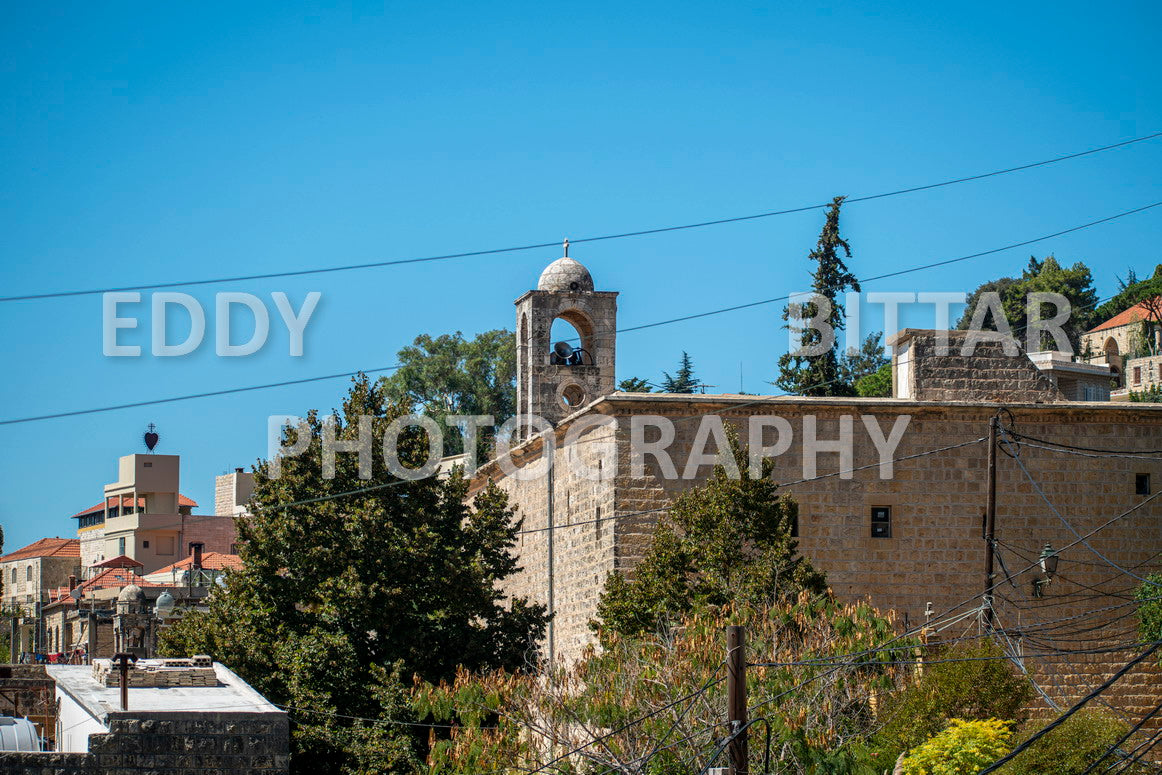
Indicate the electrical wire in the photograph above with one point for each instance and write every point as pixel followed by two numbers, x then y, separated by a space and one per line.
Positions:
pixel 900 272
pixel 605 237
pixel 1061 719
pixel 226 391
pixel 96 410
pixel 1072 529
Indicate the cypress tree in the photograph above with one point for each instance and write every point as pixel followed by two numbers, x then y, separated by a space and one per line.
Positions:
pixel 822 375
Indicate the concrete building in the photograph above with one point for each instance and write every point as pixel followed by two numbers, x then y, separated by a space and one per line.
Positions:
pixel 144 517
pixel 905 534
pixel 183 716
pixel 91 524
pixel 1077 380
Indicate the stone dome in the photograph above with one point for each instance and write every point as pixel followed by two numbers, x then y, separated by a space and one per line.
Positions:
pixel 131 594
pixel 566 275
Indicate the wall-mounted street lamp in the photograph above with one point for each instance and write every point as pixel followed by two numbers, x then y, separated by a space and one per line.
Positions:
pixel 1048 561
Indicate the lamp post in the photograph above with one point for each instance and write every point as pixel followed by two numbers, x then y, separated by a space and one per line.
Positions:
pixel 1048 561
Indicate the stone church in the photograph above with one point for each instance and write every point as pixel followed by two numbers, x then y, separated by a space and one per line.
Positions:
pixel 906 533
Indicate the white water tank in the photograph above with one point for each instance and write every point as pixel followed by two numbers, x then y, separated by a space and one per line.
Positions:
pixel 18 734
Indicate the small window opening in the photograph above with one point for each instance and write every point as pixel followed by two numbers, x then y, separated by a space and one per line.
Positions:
pixel 573 396
pixel 881 521
pixel 1142 484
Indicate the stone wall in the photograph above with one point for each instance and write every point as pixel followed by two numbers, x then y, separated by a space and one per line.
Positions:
pixel 583 536
pixel 964 370
pixel 1144 373
pixel 935 553
pixel 173 743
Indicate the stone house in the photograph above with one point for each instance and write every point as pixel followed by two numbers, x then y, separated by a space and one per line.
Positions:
pixel 31 571
pixel 183 716
pixel 905 533
pixel 1113 341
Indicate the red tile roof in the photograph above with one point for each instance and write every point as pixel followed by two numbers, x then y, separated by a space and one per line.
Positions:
pixel 46 547
pixel 125 499
pixel 120 561
pixel 210 561
pixel 114 578
pixel 1134 314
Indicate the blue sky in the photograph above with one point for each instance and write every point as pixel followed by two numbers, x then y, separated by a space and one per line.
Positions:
pixel 148 144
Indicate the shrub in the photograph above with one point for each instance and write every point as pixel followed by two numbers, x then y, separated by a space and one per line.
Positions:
pixel 964 748
pixel 976 688
pixel 1069 749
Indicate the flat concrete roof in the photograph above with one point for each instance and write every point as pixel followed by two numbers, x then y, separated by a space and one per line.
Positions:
pixel 232 695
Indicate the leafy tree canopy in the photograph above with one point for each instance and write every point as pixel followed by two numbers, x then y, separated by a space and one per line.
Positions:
pixel 821 375
pixel 867 360
pixel 728 540
pixel 652 704
pixel 980 686
pixel 1131 291
pixel 878 384
pixel 448 374
pixel 1075 283
pixel 339 599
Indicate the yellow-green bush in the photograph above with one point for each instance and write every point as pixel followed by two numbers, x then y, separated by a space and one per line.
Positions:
pixel 964 748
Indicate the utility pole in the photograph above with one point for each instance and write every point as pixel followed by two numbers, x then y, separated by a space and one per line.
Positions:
pixel 990 525
pixel 736 697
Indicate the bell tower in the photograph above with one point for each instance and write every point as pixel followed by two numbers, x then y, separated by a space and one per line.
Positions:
pixel 555 379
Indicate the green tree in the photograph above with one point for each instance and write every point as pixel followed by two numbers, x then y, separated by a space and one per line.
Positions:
pixel 651 704
pixel 878 384
pixel 867 360
pixel 1075 283
pixel 683 380
pixel 1130 292
pixel 340 598
pixel 634 385
pixel 1149 597
pixel 822 374
pixel 729 540
pixel 448 374
pixel 1072 748
pixel 974 683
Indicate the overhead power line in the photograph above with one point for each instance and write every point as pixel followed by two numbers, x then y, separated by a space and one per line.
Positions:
pixel 600 238
pixel 655 324
pixel 1065 716
pixel 226 391
pixel 909 270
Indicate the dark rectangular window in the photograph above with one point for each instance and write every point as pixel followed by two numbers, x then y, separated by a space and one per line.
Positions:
pixel 881 521
pixel 1142 484
pixel 145 544
pixel 1137 375
pixel 794 526
pixel 121 546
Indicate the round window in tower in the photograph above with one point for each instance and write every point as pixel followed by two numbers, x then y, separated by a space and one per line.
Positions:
pixel 572 396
